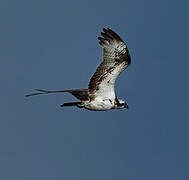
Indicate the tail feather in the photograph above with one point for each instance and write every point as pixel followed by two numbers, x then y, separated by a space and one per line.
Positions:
pixel 70 104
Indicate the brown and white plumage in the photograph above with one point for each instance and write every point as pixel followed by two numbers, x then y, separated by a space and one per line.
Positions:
pixel 100 94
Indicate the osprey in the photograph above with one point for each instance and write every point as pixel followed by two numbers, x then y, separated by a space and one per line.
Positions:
pixel 100 94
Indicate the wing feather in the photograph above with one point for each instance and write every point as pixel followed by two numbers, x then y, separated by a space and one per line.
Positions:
pixel 116 58
pixel 81 94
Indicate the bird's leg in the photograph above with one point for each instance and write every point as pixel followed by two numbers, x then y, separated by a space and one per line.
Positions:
pixel 81 105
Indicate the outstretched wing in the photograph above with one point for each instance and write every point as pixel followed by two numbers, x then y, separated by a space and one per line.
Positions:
pixel 81 94
pixel 116 58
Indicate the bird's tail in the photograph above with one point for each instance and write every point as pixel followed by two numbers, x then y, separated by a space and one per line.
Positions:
pixel 78 104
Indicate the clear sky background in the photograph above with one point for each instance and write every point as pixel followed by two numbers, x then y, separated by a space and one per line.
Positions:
pixel 52 45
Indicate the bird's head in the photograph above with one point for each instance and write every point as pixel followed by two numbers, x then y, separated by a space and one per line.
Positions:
pixel 122 104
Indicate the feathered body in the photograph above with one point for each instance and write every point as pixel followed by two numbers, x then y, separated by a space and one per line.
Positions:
pixel 100 94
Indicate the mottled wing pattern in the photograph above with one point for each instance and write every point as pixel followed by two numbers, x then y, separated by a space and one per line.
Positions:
pixel 116 58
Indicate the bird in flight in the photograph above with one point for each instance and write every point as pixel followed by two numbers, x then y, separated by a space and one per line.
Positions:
pixel 100 95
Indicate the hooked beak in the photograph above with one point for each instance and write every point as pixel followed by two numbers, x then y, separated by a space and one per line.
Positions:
pixel 126 106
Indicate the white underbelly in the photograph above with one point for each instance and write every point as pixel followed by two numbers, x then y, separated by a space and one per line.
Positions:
pixel 99 105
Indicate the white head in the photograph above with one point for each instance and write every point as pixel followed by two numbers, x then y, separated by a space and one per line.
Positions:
pixel 121 104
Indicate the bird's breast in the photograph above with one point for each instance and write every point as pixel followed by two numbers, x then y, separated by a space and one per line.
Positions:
pixel 100 104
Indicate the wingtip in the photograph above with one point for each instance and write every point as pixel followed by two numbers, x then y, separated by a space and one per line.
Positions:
pixel 109 34
pixel 104 29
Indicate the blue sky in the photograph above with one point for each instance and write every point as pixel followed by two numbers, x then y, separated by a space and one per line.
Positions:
pixel 53 45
